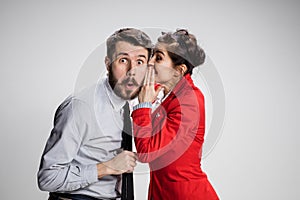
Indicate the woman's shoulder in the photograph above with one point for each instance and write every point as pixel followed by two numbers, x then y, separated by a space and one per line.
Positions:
pixel 190 92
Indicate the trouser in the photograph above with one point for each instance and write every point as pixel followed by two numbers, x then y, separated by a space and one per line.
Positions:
pixel 67 196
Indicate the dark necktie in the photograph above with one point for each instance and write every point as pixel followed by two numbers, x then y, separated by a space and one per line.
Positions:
pixel 127 178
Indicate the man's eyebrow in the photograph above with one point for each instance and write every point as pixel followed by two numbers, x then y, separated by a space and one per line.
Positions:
pixel 126 54
pixel 143 56
pixel 122 54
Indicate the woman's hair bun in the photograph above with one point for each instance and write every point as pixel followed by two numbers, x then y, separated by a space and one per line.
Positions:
pixel 183 48
pixel 195 53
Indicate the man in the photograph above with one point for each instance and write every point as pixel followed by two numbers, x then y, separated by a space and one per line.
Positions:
pixel 83 158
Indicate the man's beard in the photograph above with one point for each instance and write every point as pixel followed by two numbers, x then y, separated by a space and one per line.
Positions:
pixel 119 87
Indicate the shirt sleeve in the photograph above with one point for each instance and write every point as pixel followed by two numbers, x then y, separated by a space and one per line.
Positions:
pixel 57 172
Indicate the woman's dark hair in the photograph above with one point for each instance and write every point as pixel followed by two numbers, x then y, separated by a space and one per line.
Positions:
pixel 182 48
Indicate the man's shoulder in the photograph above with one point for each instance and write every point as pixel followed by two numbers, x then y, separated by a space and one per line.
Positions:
pixel 87 98
pixel 92 92
pixel 79 100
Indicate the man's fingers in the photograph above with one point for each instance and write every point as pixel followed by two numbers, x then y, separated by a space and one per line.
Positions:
pixel 131 156
pixel 132 163
pixel 130 170
pixel 135 156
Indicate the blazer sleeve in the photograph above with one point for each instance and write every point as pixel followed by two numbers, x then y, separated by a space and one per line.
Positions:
pixel 172 134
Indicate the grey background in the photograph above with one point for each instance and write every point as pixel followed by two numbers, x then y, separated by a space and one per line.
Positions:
pixel 254 45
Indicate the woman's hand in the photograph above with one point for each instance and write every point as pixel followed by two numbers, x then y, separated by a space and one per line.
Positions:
pixel 148 92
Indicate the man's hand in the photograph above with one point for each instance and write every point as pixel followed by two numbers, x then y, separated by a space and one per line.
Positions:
pixel 123 162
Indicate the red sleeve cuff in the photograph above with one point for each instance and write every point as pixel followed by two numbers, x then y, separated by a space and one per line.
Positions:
pixel 141 116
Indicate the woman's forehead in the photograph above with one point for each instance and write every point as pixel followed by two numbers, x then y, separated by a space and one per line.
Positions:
pixel 160 47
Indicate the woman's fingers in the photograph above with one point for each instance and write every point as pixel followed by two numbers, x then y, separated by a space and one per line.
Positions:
pixel 158 89
pixel 146 79
pixel 149 76
pixel 148 92
pixel 152 76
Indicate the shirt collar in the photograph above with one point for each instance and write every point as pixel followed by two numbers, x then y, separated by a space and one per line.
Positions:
pixel 116 101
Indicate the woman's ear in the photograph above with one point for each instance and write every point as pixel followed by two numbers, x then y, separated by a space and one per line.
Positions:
pixel 182 69
pixel 107 63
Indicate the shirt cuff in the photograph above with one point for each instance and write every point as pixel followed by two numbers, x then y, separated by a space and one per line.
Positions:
pixel 91 173
pixel 142 105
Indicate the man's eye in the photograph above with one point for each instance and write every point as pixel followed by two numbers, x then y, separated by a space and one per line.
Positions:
pixel 140 62
pixel 123 60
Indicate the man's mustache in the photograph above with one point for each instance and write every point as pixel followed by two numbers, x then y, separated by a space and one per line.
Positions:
pixel 130 79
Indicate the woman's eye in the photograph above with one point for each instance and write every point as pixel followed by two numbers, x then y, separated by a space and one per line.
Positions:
pixel 158 58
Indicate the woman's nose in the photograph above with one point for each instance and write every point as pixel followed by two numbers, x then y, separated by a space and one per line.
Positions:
pixel 151 61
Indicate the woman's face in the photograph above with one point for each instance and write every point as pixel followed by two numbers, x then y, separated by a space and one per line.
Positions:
pixel 163 66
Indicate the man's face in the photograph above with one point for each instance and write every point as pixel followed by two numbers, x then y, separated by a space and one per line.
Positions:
pixel 127 69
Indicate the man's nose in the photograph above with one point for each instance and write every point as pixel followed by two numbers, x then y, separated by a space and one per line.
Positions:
pixel 131 69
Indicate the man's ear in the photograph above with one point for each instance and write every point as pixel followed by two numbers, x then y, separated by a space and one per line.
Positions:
pixel 107 63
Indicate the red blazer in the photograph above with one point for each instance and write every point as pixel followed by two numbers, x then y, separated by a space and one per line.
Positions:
pixel 170 139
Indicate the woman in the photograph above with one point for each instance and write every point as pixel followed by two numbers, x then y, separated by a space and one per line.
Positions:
pixel 170 137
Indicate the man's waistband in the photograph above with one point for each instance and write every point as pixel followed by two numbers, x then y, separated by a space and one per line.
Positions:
pixel 68 196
